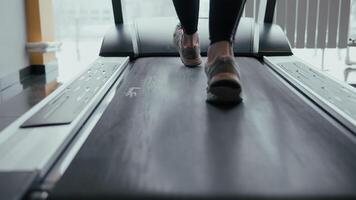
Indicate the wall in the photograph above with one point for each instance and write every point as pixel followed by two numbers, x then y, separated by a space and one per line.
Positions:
pixel 82 18
pixel 13 56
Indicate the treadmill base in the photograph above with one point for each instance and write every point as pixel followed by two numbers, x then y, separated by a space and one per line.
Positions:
pixel 158 138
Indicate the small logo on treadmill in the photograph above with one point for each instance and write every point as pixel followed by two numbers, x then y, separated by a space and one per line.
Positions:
pixel 132 92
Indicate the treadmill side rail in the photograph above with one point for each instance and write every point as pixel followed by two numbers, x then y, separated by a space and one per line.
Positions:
pixel 72 101
pixel 335 97
pixel 37 148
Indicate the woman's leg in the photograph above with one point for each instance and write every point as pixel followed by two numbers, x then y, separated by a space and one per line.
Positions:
pixel 221 69
pixel 224 18
pixel 185 36
pixel 188 14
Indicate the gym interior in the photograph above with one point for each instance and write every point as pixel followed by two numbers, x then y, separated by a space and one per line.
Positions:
pixel 96 104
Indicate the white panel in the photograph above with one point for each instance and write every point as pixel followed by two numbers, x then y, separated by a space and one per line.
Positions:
pixel 13 56
pixel 344 21
pixel 312 23
pixel 290 20
pixel 257 6
pixel 322 23
pixel 281 13
pixel 333 23
pixel 249 8
pixel 301 23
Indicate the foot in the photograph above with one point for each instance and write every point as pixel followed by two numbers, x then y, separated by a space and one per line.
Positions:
pixel 218 49
pixel 224 84
pixel 188 47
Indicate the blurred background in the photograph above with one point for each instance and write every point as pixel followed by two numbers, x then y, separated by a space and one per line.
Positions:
pixel 81 24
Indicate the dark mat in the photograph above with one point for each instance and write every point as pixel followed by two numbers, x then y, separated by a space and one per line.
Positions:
pixel 14 185
pixel 158 138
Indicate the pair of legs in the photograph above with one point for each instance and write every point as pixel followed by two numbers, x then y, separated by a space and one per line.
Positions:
pixel 224 17
pixel 221 68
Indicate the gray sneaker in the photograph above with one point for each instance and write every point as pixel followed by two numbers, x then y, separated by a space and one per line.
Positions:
pixel 190 56
pixel 224 84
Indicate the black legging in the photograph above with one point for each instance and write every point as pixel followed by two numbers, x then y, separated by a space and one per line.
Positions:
pixel 224 17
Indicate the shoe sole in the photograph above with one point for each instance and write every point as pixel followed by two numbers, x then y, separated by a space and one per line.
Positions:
pixel 191 62
pixel 224 91
pixel 224 95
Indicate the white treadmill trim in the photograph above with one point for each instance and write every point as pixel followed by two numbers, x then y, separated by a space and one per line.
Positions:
pixel 332 108
pixel 71 151
pixel 27 149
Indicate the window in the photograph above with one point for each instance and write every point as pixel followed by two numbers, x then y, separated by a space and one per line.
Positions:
pixel 134 9
pixel 80 25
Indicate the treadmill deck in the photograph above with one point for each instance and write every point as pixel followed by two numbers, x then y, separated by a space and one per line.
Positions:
pixel 158 138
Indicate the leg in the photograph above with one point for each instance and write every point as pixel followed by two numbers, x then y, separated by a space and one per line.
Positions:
pixel 224 18
pixel 222 70
pixel 185 36
pixel 188 14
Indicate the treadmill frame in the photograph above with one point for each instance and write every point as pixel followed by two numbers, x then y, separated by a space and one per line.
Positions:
pixel 258 37
pixel 81 134
pixel 272 64
pixel 266 16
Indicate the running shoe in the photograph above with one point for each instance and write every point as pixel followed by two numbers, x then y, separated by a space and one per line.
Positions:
pixel 190 56
pixel 224 84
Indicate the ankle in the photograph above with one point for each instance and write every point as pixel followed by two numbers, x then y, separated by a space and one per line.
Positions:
pixel 190 40
pixel 219 49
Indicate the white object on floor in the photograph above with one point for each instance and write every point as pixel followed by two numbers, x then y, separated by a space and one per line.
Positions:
pixel 43 47
pixel 348 61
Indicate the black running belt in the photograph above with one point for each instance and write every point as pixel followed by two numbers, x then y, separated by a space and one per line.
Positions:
pixel 158 139
pixel 14 185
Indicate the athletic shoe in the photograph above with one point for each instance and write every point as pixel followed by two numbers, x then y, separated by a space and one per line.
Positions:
pixel 224 84
pixel 190 56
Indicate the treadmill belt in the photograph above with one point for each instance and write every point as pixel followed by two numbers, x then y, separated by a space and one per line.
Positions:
pixel 158 138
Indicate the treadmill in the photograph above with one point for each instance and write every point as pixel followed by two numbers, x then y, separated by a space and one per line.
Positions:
pixel 135 125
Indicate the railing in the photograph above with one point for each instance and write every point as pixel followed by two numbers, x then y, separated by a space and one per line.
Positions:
pixel 310 23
